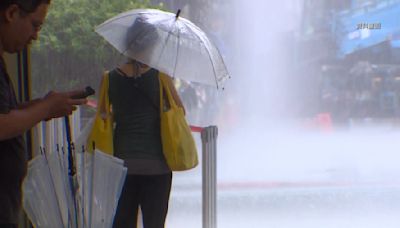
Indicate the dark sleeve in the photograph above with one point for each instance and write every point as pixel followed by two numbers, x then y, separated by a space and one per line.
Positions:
pixel 4 92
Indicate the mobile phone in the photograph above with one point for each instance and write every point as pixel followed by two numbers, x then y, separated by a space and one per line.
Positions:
pixel 88 91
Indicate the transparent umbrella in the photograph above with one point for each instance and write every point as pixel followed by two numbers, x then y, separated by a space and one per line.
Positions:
pixel 167 42
pixel 59 173
pixel 39 195
pixel 108 176
pixel 49 202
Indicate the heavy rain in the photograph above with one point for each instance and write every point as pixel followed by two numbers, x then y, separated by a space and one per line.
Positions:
pixel 308 123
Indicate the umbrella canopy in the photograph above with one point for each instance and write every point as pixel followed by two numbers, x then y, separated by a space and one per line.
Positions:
pixel 47 196
pixel 167 42
pixel 39 196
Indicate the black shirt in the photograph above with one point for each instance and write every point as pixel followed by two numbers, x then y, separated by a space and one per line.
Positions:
pixel 135 105
pixel 12 156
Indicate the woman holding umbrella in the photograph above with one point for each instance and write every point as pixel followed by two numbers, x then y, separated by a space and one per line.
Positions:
pixel 134 94
pixel 177 47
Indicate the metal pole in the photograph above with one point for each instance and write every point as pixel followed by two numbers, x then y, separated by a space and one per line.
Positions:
pixel 209 176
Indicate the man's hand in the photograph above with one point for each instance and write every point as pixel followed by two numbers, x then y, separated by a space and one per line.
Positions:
pixel 60 104
pixel 53 105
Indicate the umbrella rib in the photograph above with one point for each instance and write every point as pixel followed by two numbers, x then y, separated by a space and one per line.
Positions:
pixel 163 48
pixel 53 187
pixel 177 51
pixel 209 56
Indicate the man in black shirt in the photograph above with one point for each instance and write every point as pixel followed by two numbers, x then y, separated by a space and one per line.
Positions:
pixel 20 23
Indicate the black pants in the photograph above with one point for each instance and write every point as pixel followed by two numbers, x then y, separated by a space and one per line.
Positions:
pixel 151 193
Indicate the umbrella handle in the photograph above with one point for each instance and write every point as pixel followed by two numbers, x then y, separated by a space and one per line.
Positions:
pixel 177 14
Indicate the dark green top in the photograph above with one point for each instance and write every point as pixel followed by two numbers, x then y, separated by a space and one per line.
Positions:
pixel 136 109
pixel 12 157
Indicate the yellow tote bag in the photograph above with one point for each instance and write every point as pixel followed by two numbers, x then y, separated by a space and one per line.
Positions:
pixel 101 134
pixel 178 144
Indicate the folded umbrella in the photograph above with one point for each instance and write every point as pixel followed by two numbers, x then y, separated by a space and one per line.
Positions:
pixel 108 177
pixel 39 196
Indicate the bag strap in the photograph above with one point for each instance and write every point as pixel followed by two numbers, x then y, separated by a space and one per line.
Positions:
pixel 103 105
pixel 165 89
